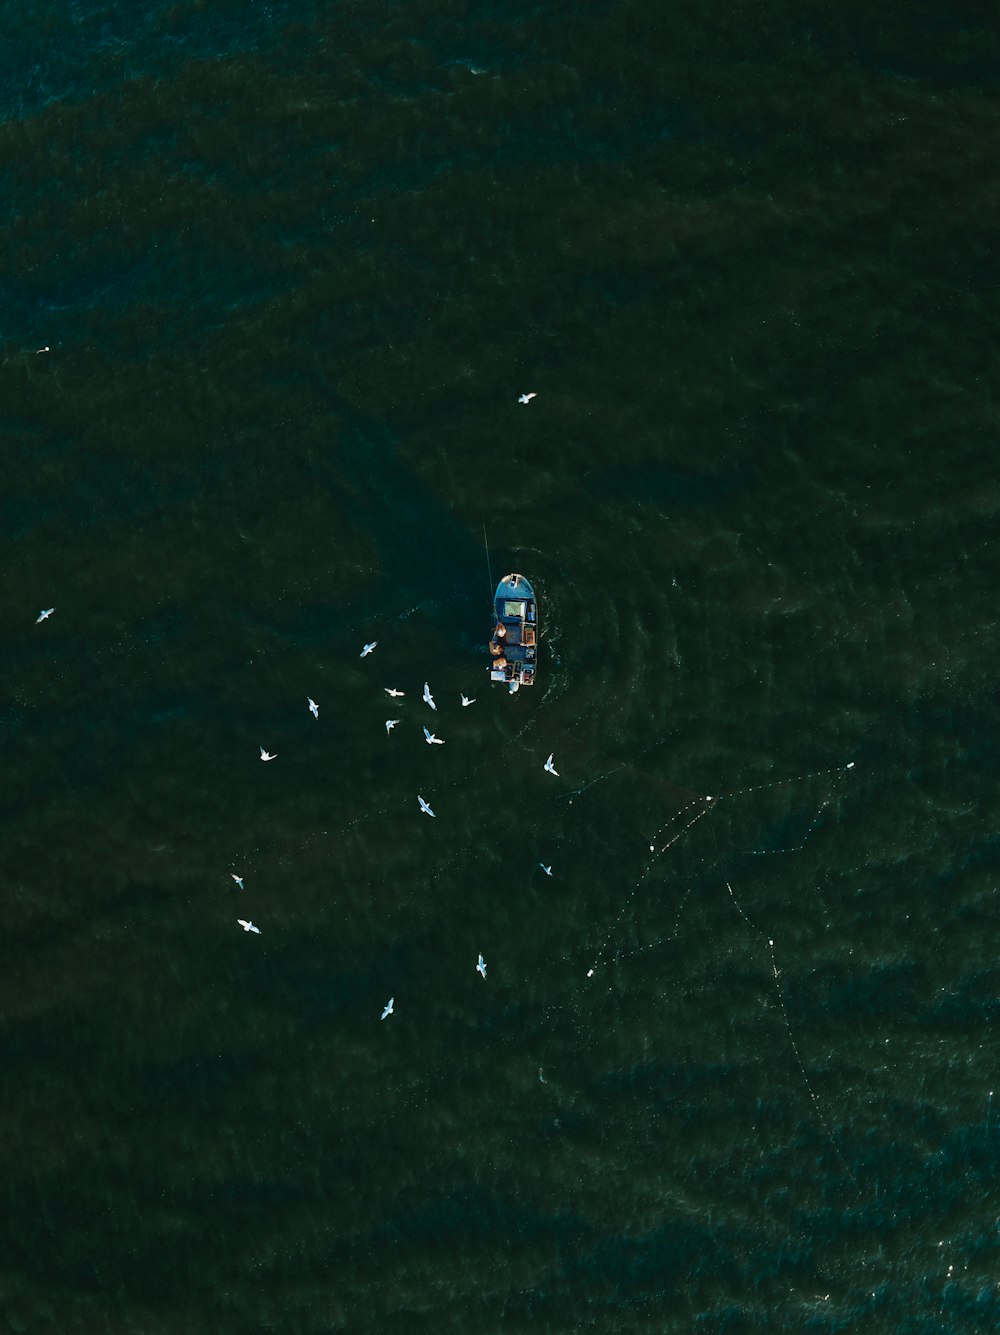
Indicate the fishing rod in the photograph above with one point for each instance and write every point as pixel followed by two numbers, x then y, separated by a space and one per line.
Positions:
pixel 489 568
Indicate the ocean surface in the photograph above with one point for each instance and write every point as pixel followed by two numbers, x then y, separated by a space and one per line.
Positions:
pixel 733 1065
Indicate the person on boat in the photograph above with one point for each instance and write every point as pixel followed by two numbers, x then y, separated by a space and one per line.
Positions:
pixel 495 649
pixel 501 631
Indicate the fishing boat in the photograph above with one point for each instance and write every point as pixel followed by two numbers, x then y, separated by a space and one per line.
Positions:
pixel 514 642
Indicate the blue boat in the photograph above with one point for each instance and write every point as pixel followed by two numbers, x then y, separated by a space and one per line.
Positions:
pixel 514 643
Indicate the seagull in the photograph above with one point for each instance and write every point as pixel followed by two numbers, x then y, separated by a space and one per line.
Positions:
pixel 546 870
pixel 47 612
pixel 237 879
pixel 390 723
pixel 424 807
pixel 313 706
pixel 428 698
pixel 526 398
pixel 388 1008
pixel 391 690
pixel 466 702
pixel 367 649
pixel 248 926
pixel 550 768
pixel 266 755
pixel 481 966
pixel 431 739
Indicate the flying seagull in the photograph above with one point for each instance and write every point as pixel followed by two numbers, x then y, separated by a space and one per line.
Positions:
pixel 391 690
pixel 367 649
pixel 466 702
pixel 431 739
pixel 237 879
pixel 546 870
pixel 44 614
pixel 388 1008
pixel 248 926
pixel 390 723
pixel 424 807
pixel 549 767
pixel 428 698
pixel 313 706
pixel 526 398
pixel 266 755
pixel 481 966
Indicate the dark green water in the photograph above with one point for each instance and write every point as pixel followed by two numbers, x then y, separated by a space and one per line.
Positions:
pixel 294 264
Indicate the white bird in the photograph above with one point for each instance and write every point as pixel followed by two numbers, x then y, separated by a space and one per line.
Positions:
pixel 481 966
pixel 466 702
pixel 388 1008
pixel 44 614
pixel 431 739
pixel 390 723
pixel 237 879
pixel 266 755
pixel 313 706
pixel 549 767
pixel 428 698
pixel 248 926
pixel 526 398
pixel 546 870
pixel 367 649
pixel 391 690
pixel 424 807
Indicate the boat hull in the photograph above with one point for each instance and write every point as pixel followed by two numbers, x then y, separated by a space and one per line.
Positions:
pixel 514 643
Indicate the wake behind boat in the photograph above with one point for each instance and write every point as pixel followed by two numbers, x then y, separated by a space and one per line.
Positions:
pixel 514 644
